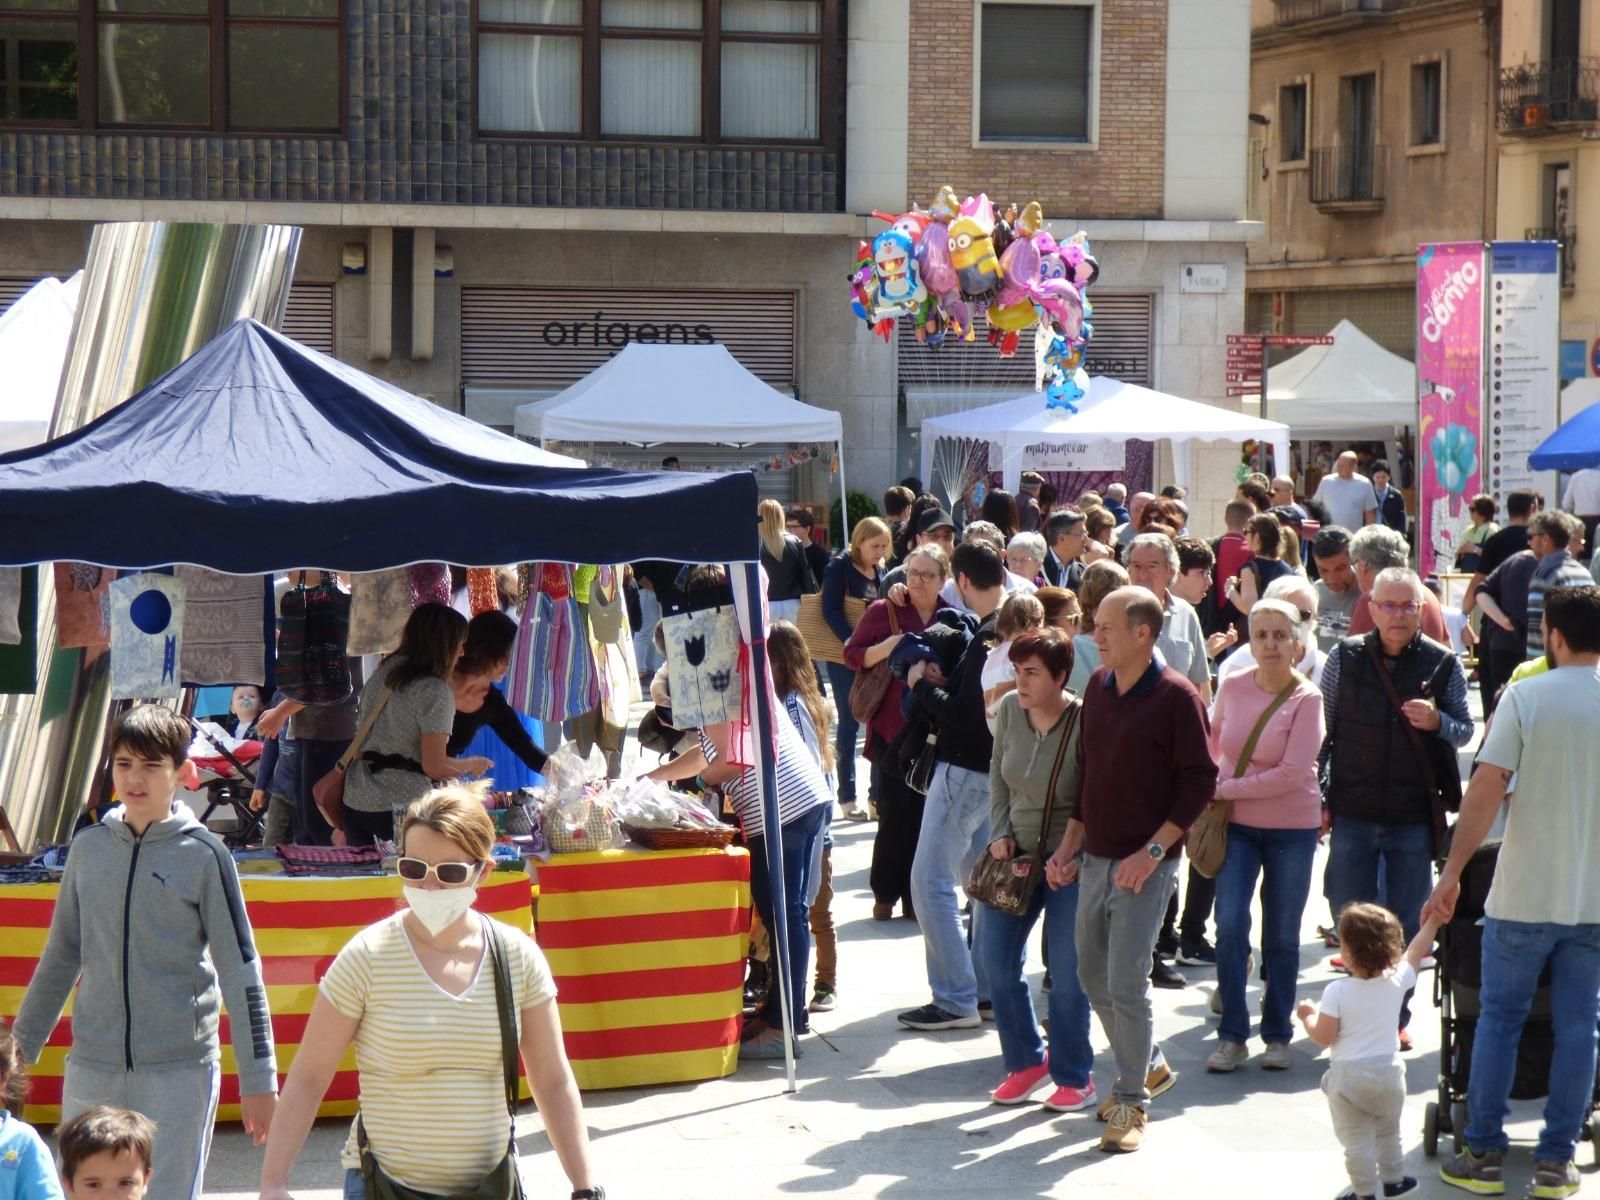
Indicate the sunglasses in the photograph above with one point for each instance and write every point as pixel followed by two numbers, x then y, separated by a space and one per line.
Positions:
pixel 451 874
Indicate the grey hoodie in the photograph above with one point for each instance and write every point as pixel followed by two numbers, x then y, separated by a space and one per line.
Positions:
pixel 137 916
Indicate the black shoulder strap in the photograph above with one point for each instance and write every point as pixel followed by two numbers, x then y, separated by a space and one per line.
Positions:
pixel 503 1004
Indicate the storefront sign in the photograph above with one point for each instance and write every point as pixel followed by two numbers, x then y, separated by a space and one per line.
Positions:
pixel 1203 277
pixel 1074 456
pixel 1450 299
pixel 1524 339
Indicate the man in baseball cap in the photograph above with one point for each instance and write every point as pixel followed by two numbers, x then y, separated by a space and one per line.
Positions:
pixel 1029 515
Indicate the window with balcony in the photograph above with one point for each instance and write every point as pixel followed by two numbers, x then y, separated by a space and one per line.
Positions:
pixel 243 66
pixel 1036 72
pixel 1351 174
pixel 1294 117
pixel 1427 104
pixel 1556 211
pixel 673 70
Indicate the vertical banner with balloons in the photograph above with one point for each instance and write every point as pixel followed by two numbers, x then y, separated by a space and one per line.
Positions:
pixel 1450 298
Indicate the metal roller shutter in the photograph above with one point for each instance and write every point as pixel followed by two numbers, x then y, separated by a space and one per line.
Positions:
pixel 309 317
pixel 1386 315
pixel 12 287
pixel 553 337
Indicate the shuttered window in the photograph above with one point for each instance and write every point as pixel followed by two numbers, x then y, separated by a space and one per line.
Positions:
pixel 1386 315
pixel 12 287
pixel 553 337
pixel 309 318
pixel 1034 81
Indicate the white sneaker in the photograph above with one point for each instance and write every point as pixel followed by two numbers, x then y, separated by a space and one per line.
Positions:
pixel 1277 1057
pixel 1226 1057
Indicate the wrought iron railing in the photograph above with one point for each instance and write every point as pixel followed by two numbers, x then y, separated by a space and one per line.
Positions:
pixel 1569 251
pixel 1536 96
pixel 1296 12
pixel 1354 174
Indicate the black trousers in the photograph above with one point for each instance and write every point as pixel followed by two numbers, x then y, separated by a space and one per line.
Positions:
pixel 317 758
pixel 1198 898
pixel 1494 668
pixel 366 828
pixel 899 826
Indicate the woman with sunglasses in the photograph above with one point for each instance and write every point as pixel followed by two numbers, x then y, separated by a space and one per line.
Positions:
pixel 404 753
pixel 415 994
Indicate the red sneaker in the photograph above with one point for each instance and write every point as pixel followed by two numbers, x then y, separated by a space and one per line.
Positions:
pixel 1019 1085
pixel 1338 965
pixel 1071 1099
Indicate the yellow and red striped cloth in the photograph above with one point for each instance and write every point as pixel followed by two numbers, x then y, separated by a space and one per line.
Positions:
pixel 648 953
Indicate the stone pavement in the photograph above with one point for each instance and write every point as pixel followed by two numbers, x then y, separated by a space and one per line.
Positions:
pixel 885 1112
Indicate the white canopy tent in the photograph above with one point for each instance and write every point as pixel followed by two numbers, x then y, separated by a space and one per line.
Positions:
pixel 33 347
pixel 1345 390
pixel 1110 411
pixel 648 395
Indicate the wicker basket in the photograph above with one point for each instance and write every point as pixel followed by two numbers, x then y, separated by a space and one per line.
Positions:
pixel 682 839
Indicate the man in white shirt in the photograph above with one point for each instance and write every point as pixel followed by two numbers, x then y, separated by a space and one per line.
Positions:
pixel 1543 908
pixel 1348 495
pixel 1583 493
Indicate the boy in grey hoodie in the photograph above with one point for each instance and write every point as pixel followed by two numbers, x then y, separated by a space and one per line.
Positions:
pixel 150 915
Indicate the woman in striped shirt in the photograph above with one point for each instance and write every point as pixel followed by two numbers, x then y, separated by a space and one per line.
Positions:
pixel 415 994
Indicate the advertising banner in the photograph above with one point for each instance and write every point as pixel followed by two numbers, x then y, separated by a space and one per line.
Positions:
pixel 1075 456
pixel 1524 363
pixel 1450 368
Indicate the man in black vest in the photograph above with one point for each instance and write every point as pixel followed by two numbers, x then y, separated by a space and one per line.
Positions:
pixel 1396 710
pixel 1066 536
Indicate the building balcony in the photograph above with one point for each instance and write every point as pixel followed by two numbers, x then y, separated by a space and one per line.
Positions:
pixel 1299 12
pixel 1549 97
pixel 1349 178
pixel 1569 251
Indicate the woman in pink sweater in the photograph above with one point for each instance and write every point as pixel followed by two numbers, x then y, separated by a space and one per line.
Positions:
pixel 1266 729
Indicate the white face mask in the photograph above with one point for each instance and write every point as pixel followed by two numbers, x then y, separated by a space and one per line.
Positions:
pixel 440 908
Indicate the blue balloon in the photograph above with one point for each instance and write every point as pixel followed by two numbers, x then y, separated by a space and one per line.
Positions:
pixel 151 612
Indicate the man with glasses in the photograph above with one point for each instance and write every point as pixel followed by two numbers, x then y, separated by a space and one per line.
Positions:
pixel 800 521
pixel 1395 706
pixel 1066 536
pixel 1556 538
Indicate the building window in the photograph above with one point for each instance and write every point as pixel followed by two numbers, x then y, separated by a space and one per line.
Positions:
pixel 1035 72
pixel 1294 111
pixel 684 70
pixel 1427 103
pixel 269 66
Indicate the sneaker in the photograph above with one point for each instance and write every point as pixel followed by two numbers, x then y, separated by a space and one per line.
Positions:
pixel 824 998
pixel 1158 1081
pixel 1226 1057
pixel 1071 1099
pixel 756 984
pixel 1556 1179
pixel 1337 964
pixel 1124 1129
pixel 1196 954
pixel 766 1044
pixel 1019 1085
pixel 1162 975
pixel 851 813
pixel 986 1010
pixel 1481 1174
pixel 931 1016
pixel 1276 1057
pixel 1405 1187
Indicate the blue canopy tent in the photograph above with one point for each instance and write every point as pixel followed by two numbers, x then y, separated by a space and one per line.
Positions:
pixel 1573 446
pixel 258 455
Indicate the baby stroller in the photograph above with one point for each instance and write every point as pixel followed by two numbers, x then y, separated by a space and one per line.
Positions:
pixel 1457 984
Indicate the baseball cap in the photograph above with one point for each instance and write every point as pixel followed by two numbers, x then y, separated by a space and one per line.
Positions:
pixel 932 519
pixel 1032 479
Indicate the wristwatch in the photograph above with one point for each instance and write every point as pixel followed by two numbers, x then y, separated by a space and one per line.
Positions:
pixel 1156 851
pixel 590 1193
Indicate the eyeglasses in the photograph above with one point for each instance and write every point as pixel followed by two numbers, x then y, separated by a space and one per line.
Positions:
pixel 451 874
pixel 1391 608
pixel 793 525
pixel 1305 614
pixel 925 576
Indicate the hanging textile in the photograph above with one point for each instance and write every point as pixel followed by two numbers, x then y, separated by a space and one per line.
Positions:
pixel 703 665
pixel 83 605
pixel 430 584
pixel 312 667
pixel 224 641
pixel 553 673
pixel 611 642
pixel 19 661
pixel 10 605
pixel 380 605
pixel 483 595
pixel 147 614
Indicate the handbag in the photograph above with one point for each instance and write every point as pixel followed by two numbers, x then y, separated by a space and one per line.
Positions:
pixel 311 646
pixel 504 1182
pixel 872 685
pixel 995 881
pixel 920 777
pixel 328 792
pixel 1206 843
pixel 821 642
pixel 1438 801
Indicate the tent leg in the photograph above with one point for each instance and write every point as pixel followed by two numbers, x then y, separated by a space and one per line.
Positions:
pixel 844 501
pixel 789 990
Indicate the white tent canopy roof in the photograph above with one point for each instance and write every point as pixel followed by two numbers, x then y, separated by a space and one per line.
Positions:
pixel 1351 386
pixel 1109 411
pixel 33 348
pixel 650 394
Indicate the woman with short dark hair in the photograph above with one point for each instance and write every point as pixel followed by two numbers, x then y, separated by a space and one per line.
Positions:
pixel 485 659
pixel 1000 509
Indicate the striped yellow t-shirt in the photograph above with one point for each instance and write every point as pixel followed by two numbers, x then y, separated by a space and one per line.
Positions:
pixel 432 1082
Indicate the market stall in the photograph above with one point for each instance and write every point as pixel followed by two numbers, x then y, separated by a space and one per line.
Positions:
pixel 33 345
pixel 300 925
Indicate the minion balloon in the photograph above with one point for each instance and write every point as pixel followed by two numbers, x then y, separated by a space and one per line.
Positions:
pixel 972 248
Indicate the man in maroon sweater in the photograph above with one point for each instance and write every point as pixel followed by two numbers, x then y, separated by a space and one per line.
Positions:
pixel 1147 773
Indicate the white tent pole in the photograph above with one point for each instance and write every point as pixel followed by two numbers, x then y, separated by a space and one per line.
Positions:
pixel 1180 462
pixel 844 497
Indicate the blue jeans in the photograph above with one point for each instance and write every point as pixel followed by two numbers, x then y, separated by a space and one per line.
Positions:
pixel 1514 955
pixel 355 1187
pixel 1002 940
pixel 955 828
pixel 1406 855
pixel 799 837
pixel 645 654
pixel 840 677
pixel 1281 859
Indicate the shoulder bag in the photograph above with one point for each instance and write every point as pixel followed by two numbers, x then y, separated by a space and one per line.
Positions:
pixel 1207 841
pixel 821 641
pixel 996 882
pixel 1438 802
pixel 312 644
pixel 873 684
pixel 328 792
pixel 504 1182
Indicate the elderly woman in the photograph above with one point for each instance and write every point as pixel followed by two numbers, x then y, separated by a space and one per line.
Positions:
pixel 1036 749
pixel 1098 523
pixel 1266 730
pixel 1025 557
pixel 1298 592
pixel 856 574
pixel 899 807
pixel 416 995
pixel 1099 581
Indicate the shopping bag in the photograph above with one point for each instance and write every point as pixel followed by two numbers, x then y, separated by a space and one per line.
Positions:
pixel 312 644
pixel 146 637
pixel 703 666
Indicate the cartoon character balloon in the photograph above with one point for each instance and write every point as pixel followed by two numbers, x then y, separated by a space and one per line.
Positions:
pixel 899 287
pixel 972 249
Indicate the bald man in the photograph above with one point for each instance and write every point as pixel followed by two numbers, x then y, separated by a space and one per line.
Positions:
pixel 1348 495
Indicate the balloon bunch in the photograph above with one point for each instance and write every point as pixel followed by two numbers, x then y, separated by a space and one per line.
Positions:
pixel 942 267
